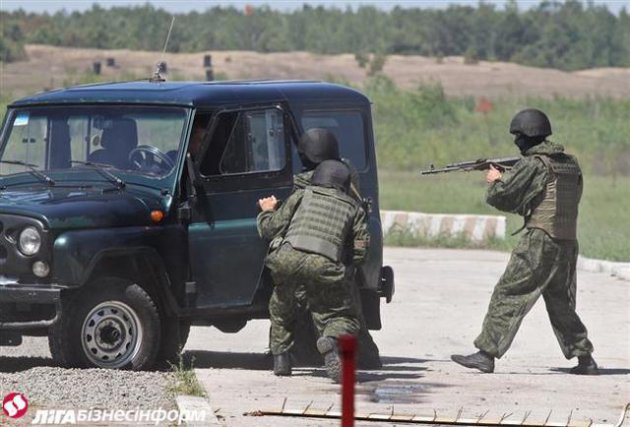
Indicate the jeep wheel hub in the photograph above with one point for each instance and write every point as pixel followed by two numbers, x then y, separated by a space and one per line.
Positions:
pixel 111 334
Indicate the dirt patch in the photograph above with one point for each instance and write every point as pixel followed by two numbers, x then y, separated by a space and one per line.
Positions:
pixel 51 67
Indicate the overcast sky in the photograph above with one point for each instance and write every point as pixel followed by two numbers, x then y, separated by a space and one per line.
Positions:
pixel 200 5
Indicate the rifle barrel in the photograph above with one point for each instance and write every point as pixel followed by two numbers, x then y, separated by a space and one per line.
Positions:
pixel 466 164
pixel 480 164
pixel 440 170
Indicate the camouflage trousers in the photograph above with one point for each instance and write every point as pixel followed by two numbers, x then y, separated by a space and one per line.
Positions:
pixel 368 356
pixel 538 266
pixel 327 291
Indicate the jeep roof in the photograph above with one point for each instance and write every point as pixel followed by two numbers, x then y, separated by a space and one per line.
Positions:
pixel 195 94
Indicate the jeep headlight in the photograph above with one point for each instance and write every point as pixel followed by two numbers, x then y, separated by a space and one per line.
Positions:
pixel 30 241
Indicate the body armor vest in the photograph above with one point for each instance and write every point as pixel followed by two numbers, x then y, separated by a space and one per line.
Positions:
pixel 558 210
pixel 321 223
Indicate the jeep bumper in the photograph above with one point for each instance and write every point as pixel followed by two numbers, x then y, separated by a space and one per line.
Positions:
pixel 26 307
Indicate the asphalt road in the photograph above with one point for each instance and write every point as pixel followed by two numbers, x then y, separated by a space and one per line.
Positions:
pixel 441 298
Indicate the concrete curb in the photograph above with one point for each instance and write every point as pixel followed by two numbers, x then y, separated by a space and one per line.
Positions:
pixel 620 270
pixel 479 228
pixel 194 404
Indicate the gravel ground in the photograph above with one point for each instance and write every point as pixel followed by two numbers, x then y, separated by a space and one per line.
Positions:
pixel 28 369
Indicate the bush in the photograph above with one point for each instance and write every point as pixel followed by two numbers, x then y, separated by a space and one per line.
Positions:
pixel 362 59
pixel 471 57
pixel 377 64
pixel 11 43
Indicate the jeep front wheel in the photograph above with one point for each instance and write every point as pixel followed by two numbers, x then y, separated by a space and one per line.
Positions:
pixel 111 323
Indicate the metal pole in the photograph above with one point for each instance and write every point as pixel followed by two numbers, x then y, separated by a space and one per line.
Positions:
pixel 347 350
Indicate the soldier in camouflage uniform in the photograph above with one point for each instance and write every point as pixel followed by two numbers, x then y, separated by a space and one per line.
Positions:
pixel 315 146
pixel 544 187
pixel 322 235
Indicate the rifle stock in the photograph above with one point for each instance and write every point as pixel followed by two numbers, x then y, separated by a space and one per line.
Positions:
pixel 502 164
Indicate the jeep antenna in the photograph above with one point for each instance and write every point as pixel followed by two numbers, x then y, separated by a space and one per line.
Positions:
pixel 160 67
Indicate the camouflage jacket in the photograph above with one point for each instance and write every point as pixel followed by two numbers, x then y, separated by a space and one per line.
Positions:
pixel 519 189
pixel 274 224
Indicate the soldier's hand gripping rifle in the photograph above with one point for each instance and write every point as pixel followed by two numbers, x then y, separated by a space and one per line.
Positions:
pixel 475 165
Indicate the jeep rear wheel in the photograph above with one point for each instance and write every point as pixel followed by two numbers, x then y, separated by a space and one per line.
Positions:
pixel 111 323
pixel 304 351
pixel 174 336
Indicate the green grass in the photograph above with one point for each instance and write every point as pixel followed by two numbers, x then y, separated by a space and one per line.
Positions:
pixel 185 380
pixel 604 228
pixel 605 219
pixel 423 126
pixel 5 99
pixel 409 239
pixel 415 128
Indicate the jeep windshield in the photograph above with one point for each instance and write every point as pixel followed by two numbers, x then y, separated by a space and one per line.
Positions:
pixel 136 144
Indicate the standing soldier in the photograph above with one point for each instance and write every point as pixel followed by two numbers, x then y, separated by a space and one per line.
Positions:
pixel 323 236
pixel 315 146
pixel 544 187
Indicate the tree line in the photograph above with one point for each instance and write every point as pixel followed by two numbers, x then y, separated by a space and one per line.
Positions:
pixel 567 35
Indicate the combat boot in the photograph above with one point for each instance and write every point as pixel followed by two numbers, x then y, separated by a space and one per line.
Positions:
pixel 480 360
pixel 327 346
pixel 282 364
pixel 586 366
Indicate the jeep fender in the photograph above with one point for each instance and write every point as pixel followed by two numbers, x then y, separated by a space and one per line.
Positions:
pixel 153 256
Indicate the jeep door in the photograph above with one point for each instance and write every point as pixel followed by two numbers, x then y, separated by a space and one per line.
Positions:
pixel 247 156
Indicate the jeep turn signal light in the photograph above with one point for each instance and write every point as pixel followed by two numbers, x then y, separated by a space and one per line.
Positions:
pixel 157 216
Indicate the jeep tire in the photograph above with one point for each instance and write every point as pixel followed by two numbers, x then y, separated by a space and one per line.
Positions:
pixel 304 350
pixel 175 333
pixel 109 323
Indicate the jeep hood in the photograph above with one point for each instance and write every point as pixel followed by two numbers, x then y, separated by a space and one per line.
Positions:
pixel 72 208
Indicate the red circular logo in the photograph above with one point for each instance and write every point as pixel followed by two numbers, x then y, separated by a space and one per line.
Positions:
pixel 15 405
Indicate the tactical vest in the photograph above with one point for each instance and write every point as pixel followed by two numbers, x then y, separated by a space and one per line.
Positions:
pixel 322 222
pixel 558 210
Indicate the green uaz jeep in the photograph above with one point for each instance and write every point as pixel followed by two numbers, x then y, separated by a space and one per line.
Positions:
pixel 121 225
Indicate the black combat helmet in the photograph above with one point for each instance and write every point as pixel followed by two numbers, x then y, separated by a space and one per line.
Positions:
pixel 332 173
pixel 531 123
pixel 317 145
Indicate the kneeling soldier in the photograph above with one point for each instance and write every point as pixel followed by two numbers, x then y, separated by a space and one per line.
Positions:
pixel 320 234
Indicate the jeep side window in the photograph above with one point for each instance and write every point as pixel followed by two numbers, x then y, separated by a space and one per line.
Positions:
pixel 348 127
pixel 246 142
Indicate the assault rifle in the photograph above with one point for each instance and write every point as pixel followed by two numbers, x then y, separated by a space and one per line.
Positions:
pixel 474 165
